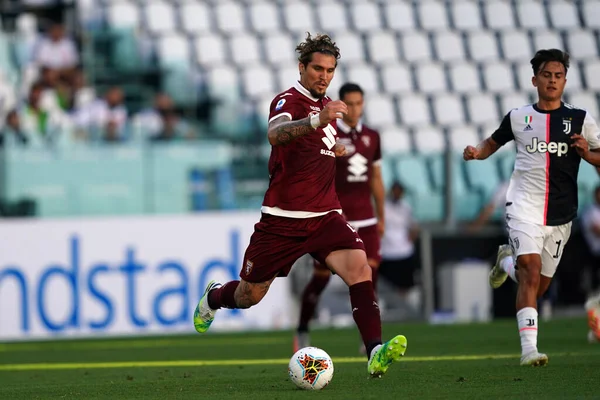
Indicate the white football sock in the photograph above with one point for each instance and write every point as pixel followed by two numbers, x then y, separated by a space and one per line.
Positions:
pixel 527 319
pixel 508 265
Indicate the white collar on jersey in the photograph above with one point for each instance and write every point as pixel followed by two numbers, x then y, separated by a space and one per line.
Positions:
pixel 304 91
pixel 346 129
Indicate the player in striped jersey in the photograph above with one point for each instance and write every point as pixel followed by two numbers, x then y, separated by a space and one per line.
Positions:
pixel 551 139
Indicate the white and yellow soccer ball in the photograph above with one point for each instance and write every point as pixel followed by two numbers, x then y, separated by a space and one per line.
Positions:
pixel 311 368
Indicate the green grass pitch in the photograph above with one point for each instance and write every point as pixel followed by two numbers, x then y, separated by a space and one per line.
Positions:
pixel 471 361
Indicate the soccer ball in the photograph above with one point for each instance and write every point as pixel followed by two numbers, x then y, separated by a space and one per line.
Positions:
pixel 311 368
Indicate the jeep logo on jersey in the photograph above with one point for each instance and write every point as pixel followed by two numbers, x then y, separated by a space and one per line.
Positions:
pixel 357 166
pixel 539 146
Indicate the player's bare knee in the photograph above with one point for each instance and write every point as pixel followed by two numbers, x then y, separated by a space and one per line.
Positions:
pixel 362 273
pixel 350 265
pixel 356 274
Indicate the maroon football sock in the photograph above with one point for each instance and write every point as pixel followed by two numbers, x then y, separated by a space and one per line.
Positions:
pixel 365 311
pixel 223 297
pixel 310 298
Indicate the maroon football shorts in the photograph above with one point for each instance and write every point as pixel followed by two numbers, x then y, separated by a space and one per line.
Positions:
pixel 372 242
pixel 277 242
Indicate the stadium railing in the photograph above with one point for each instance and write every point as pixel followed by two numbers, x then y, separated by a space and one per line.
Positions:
pixel 120 179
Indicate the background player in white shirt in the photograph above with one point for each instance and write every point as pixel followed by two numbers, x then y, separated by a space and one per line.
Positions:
pixel 398 242
pixel 551 137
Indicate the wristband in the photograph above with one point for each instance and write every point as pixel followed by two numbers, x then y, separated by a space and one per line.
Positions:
pixel 315 122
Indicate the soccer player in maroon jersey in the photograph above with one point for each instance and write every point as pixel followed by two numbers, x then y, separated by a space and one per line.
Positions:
pixel 301 212
pixel 358 177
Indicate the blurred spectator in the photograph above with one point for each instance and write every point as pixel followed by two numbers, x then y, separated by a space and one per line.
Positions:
pixel 11 132
pixel 397 244
pixel 8 100
pixel 56 91
pixel 169 131
pixel 81 94
pixel 56 51
pixel 26 39
pixel 104 119
pixel 39 125
pixel 590 224
pixel 161 122
pixel 65 96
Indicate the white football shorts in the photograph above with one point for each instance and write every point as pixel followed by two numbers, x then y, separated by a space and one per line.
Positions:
pixel 547 241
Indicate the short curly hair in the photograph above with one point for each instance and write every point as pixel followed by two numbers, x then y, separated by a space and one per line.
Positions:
pixel 321 43
pixel 542 57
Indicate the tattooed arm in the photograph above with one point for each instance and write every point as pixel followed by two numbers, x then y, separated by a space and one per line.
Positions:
pixel 283 130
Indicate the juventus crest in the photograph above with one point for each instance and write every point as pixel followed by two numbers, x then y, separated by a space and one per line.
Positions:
pixel 567 126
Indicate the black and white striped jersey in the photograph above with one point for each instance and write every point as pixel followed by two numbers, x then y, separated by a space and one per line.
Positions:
pixel 543 185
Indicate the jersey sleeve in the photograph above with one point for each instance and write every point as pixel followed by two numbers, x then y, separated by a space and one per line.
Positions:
pixel 283 105
pixel 591 132
pixel 504 133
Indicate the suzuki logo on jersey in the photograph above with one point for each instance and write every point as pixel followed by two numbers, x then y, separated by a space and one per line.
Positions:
pixel 539 146
pixel 357 166
pixel 329 140
pixel 567 126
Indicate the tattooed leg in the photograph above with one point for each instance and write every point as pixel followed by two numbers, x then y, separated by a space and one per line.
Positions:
pixel 248 294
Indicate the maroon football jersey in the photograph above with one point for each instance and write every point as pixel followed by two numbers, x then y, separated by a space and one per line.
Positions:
pixel 355 169
pixel 302 173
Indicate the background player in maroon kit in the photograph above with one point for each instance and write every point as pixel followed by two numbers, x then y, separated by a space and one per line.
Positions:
pixel 358 177
pixel 301 212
